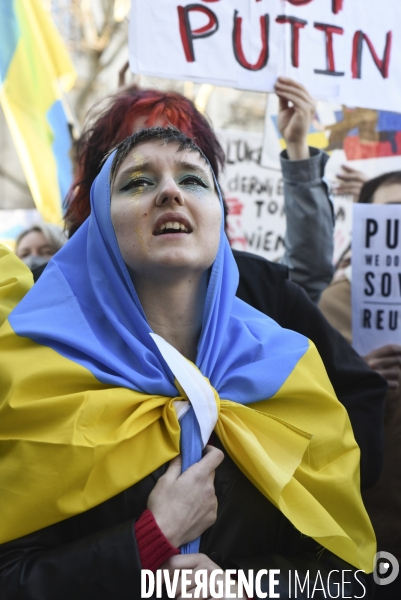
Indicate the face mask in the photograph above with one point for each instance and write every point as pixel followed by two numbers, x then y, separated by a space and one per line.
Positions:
pixel 35 261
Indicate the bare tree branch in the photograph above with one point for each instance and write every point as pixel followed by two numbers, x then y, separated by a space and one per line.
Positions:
pixel 96 32
pixel 15 181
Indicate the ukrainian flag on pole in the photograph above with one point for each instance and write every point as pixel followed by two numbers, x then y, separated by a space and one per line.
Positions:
pixel 33 64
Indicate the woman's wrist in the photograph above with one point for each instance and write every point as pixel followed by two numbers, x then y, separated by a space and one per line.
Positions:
pixel 153 546
pixel 298 151
pixel 168 529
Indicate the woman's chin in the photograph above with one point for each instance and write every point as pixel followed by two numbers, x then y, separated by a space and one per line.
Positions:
pixel 172 266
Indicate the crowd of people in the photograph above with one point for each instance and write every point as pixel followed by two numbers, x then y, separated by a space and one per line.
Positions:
pixel 168 402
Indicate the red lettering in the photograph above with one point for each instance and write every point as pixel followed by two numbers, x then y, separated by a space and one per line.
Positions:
pixel 237 43
pixel 187 35
pixel 357 45
pixel 329 30
pixel 299 2
pixel 296 25
pixel 337 5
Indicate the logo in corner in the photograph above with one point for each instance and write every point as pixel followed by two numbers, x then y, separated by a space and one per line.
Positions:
pixel 385 568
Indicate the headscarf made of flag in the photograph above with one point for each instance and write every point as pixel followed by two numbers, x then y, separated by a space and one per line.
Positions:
pixel 33 62
pixel 86 398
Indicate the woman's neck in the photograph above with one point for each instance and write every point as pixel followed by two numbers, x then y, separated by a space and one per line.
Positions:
pixel 175 310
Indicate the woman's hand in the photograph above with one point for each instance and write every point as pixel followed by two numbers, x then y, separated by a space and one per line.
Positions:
pixel 197 562
pixel 387 362
pixel 351 182
pixel 185 505
pixel 294 121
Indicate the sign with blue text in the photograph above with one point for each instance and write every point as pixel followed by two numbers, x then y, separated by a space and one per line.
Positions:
pixel 376 276
pixel 343 51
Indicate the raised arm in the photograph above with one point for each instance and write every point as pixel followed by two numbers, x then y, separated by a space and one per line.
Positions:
pixel 309 211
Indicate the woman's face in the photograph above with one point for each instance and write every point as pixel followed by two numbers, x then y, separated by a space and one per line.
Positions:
pixel 34 243
pixel 388 194
pixel 165 212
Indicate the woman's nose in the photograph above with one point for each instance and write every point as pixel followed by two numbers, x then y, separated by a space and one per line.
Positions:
pixel 170 193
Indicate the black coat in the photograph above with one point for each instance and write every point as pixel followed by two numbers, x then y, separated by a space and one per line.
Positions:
pixel 264 285
pixel 94 556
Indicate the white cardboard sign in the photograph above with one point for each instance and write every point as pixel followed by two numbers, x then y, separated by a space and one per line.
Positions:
pixel 254 195
pixel 342 50
pixel 376 276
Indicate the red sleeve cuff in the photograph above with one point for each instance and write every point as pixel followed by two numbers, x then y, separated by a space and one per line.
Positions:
pixel 154 548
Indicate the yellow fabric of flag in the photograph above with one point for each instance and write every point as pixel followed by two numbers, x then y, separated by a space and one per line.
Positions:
pixel 33 61
pixel 67 443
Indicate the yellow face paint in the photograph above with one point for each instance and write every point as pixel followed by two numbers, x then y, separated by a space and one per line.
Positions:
pixel 137 190
pixel 138 232
pixel 135 193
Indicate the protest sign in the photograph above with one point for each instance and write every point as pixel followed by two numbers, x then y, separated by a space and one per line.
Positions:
pixel 376 276
pixel 255 198
pixel 342 50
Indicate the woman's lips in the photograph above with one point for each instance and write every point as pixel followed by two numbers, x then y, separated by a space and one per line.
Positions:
pixel 172 223
pixel 172 227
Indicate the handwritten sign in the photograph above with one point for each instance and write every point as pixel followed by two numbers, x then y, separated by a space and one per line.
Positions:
pixel 343 50
pixel 255 198
pixel 376 276
pixel 254 195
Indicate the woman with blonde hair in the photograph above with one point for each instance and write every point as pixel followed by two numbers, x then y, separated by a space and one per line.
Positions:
pixel 35 246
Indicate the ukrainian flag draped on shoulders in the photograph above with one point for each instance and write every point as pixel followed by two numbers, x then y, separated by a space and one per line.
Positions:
pixel 33 63
pixel 87 398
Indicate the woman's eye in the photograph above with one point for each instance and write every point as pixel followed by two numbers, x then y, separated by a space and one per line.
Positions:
pixel 193 180
pixel 137 183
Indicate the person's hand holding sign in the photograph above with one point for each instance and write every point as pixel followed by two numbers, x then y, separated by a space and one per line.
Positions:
pixel 294 120
pixel 351 181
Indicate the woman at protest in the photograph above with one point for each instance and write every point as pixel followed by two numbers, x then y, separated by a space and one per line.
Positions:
pixel 307 203
pixel 35 246
pixel 263 284
pixel 383 501
pixel 115 369
pixel 336 299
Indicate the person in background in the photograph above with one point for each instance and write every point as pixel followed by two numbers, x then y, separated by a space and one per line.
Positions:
pixel 335 302
pixel 263 284
pixel 350 182
pixel 35 246
pixel 383 501
pixel 309 242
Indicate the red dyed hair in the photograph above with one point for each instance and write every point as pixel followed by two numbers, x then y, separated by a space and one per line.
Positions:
pixel 115 122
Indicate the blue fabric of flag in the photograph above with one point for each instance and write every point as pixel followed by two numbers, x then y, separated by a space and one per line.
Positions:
pixel 86 308
pixel 9 34
pixel 191 452
pixel 61 146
